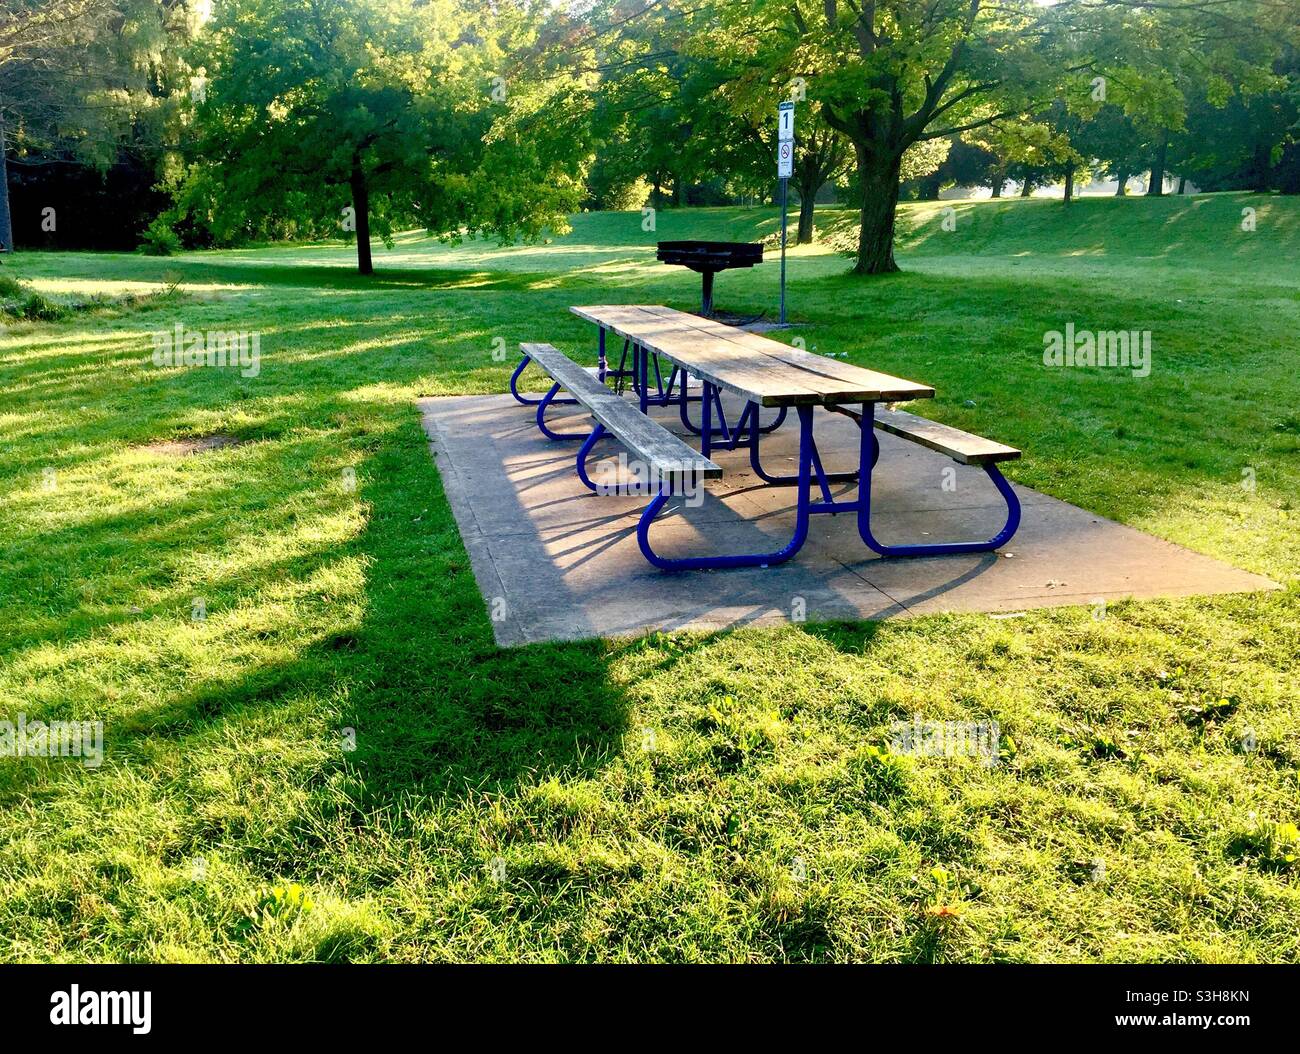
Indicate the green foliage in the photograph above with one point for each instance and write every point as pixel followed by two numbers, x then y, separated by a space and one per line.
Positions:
pixel 401 114
pixel 159 239
pixel 35 307
pixel 286 901
pixel 1273 845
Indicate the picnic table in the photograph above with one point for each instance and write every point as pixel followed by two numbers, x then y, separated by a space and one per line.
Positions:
pixel 715 358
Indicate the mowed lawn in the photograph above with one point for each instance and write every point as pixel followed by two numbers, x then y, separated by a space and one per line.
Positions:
pixel 333 761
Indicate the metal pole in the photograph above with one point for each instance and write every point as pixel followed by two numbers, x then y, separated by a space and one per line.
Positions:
pixel 784 185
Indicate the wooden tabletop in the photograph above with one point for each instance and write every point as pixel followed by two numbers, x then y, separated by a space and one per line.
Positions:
pixel 762 370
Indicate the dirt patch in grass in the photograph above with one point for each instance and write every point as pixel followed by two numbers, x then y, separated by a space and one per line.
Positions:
pixel 188 445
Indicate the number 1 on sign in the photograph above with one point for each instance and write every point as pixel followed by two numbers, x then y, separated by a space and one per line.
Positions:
pixel 785 122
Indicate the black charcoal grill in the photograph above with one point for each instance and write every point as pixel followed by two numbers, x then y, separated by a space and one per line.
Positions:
pixel 708 258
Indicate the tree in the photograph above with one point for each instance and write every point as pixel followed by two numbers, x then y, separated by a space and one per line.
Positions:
pixel 368 113
pixel 820 155
pixel 45 70
pixel 894 73
pixel 957 163
pixel 1114 139
pixel 1197 49
pixel 89 86
pixel 1023 149
pixel 1237 136
pixel 662 111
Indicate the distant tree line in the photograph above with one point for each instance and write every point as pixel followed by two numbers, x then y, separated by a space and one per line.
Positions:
pixel 173 123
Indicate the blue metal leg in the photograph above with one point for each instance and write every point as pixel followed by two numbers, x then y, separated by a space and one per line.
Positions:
pixel 549 400
pixel 620 374
pixel 706 428
pixel 725 436
pixel 776 423
pixel 525 399
pixel 869 454
pixel 583 451
pixel 802 509
pixel 642 359
pixel 824 478
pixel 640 362
pixel 681 404
pixel 625 489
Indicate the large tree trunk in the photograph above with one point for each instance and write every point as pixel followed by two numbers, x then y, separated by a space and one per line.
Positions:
pixel 1069 184
pixel 1026 188
pixel 6 223
pixel 806 203
pixel 879 179
pixel 361 206
pixel 1122 189
pixel 999 177
pixel 679 192
pixel 1182 184
pixel 1156 187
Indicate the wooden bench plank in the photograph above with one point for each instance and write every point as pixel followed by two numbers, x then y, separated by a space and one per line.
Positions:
pixel 960 446
pixel 575 379
pixel 649 441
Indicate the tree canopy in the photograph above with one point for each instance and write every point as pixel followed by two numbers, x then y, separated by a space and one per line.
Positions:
pixel 266 119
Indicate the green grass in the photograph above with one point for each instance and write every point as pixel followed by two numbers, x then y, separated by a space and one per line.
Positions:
pixel 676 797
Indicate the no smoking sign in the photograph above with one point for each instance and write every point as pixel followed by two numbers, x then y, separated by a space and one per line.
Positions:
pixel 784 160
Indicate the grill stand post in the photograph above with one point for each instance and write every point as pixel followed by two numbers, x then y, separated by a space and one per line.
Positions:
pixel 706 301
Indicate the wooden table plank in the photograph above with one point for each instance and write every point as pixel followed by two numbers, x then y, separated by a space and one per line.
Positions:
pixel 756 367
pixel 843 378
pixel 722 362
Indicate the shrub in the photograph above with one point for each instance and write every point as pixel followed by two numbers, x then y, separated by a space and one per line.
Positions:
pixel 37 308
pixel 159 239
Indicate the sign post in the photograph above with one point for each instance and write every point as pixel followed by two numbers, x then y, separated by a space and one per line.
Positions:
pixel 784 168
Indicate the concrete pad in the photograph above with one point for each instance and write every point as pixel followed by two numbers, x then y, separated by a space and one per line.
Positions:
pixel 556 562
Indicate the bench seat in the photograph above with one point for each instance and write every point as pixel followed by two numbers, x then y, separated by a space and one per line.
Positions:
pixel 963 447
pixel 652 444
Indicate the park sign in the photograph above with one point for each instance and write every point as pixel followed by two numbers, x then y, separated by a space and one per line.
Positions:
pixel 784 170
pixel 785 140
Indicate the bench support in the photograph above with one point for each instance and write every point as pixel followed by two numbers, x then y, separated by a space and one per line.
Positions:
pixel 638 374
pixel 527 400
pixel 868 455
pixel 663 390
pixel 863 504
pixel 698 563
pixel 710 401
pixel 549 400
pixel 621 490
pixel 824 478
